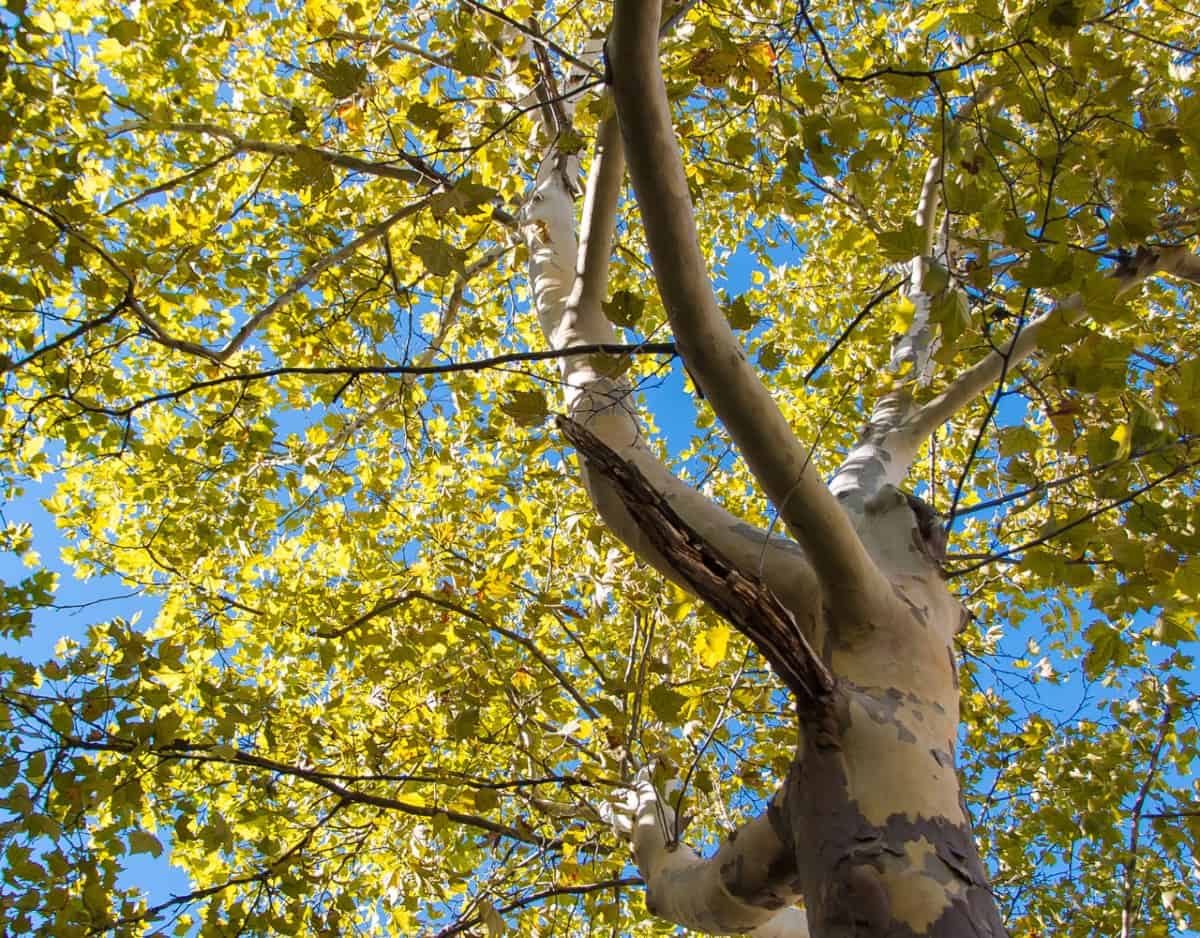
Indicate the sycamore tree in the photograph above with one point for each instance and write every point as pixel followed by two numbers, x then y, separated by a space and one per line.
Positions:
pixel 759 434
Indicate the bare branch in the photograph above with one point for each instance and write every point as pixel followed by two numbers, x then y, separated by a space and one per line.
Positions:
pixel 528 644
pixel 379 229
pixel 467 923
pixel 1133 495
pixel 266 873
pixel 203 752
pixel 534 36
pixel 986 422
pixel 1135 825
pixel 881 294
pixel 173 182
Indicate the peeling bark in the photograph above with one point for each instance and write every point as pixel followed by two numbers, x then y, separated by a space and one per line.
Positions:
pixel 741 598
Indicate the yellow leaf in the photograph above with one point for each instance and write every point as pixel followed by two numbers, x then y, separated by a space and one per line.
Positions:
pixel 903 316
pixel 522 680
pixel 497 585
pixel 1123 437
pixel 711 645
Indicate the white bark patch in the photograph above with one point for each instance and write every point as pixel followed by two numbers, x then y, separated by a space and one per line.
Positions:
pixel 895 765
pixel 916 897
pixel 548 226
pixel 685 888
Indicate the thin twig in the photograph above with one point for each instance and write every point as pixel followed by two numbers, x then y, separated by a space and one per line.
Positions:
pixel 606 348
pixel 1088 516
pixel 534 36
pixel 1130 865
pixel 884 291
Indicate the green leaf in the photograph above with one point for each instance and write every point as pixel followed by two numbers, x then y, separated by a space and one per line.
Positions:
pixel 472 58
pixel 1108 649
pixel 902 244
pixel 124 31
pixel 341 78
pixel 467 198
pixel 492 920
pixel 486 800
pixel 311 170
pixel 740 146
pixel 666 702
pixel 440 259
pixel 713 66
pixel 527 407
pixel 144 842
pixel 1045 269
pixel 739 315
pixel 425 116
pixel 624 308
pixel 8 772
pixel 1175 628
pixel 810 90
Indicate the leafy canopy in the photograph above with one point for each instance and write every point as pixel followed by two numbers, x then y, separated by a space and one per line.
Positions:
pixel 393 667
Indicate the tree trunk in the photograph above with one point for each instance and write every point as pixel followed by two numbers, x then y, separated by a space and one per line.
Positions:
pixel 882 842
pixel 868 832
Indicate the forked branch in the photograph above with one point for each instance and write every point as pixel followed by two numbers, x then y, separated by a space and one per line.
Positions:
pixel 569 281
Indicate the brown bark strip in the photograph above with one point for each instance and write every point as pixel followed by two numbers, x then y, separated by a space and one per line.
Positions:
pixel 740 598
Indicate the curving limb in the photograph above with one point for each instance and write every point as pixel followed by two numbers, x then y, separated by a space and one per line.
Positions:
pixel 777 459
pixel 885 450
pixel 743 888
pixel 1176 261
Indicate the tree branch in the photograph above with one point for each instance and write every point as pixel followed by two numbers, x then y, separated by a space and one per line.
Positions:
pixel 467 923
pixel 745 887
pixel 534 36
pixel 354 164
pixel 528 644
pixel 1177 261
pixel 775 457
pixel 1043 486
pixel 884 452
pixel 379 229
pixel 66 338
pixel 173 182
pixel 885 290
pixel 648 348
pixel 205 752
pixel 1135 824
pixel 153 912
pixel 1088 516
